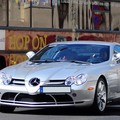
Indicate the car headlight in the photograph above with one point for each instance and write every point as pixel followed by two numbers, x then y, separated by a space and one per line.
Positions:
pixel 77 80
pixel 5 78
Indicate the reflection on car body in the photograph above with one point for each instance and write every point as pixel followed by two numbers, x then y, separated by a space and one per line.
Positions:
pixel 79 73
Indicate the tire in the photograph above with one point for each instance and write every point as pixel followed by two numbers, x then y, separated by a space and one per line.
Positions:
pixel 7 109
pixel 100 99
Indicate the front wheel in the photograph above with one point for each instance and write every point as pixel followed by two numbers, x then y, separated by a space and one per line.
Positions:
pixel 100 99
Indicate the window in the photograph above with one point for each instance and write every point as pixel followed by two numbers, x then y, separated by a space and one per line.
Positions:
pixel 100 15
pixel 115 16
pixel 62 11
pixel 19 13
pixel 42 14
pixel 50 14
pixel 3 12
pixel 92 53
pixel 116 50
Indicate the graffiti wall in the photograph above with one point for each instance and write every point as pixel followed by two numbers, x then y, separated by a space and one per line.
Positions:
pixel 28 40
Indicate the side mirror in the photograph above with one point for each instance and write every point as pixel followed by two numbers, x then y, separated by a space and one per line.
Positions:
pixel 30 54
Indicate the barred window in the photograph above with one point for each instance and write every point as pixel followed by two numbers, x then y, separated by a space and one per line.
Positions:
pixel 3 12
pixel 42 14
pixel 19 13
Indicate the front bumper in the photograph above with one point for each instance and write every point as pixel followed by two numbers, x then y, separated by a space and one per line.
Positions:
pixel 19 96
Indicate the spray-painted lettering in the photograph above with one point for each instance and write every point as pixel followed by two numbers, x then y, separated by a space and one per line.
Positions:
pixel 26 43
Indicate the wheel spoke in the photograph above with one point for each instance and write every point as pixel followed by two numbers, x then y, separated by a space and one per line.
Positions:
pixel 101 105
pixel 101 96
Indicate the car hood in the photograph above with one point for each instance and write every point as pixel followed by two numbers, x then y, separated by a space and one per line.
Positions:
pixel 46 71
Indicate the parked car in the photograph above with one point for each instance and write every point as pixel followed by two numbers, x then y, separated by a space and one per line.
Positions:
pixel 79 73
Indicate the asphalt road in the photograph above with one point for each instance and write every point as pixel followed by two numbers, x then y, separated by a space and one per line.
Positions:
pixel 112 113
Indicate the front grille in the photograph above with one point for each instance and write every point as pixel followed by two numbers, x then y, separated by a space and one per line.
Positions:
pixel 50 82
pixel 18 81
pixel 36 100
pixel 55 82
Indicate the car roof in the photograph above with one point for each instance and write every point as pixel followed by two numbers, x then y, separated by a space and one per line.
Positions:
pixel 88 42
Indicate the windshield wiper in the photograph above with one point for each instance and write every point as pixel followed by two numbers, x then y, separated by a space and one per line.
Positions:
pixel 49 61
pixel 77 61
pixel 44 61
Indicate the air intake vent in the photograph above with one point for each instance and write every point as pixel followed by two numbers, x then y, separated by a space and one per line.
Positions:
pixel 18 81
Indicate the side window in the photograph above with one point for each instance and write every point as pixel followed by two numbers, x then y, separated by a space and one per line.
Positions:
pixel 117 50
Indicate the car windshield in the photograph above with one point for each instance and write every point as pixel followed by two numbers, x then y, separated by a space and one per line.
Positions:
pixel 91 53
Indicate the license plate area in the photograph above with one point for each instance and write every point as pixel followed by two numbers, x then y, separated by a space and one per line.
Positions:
pixel 51 89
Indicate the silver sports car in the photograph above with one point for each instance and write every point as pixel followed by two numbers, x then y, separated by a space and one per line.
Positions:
pixel 79 73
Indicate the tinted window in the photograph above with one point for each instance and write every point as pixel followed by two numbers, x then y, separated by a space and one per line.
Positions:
pixel 80 52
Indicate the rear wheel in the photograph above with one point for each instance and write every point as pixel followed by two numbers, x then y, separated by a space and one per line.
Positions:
pixel 100 99
pixel 7 109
